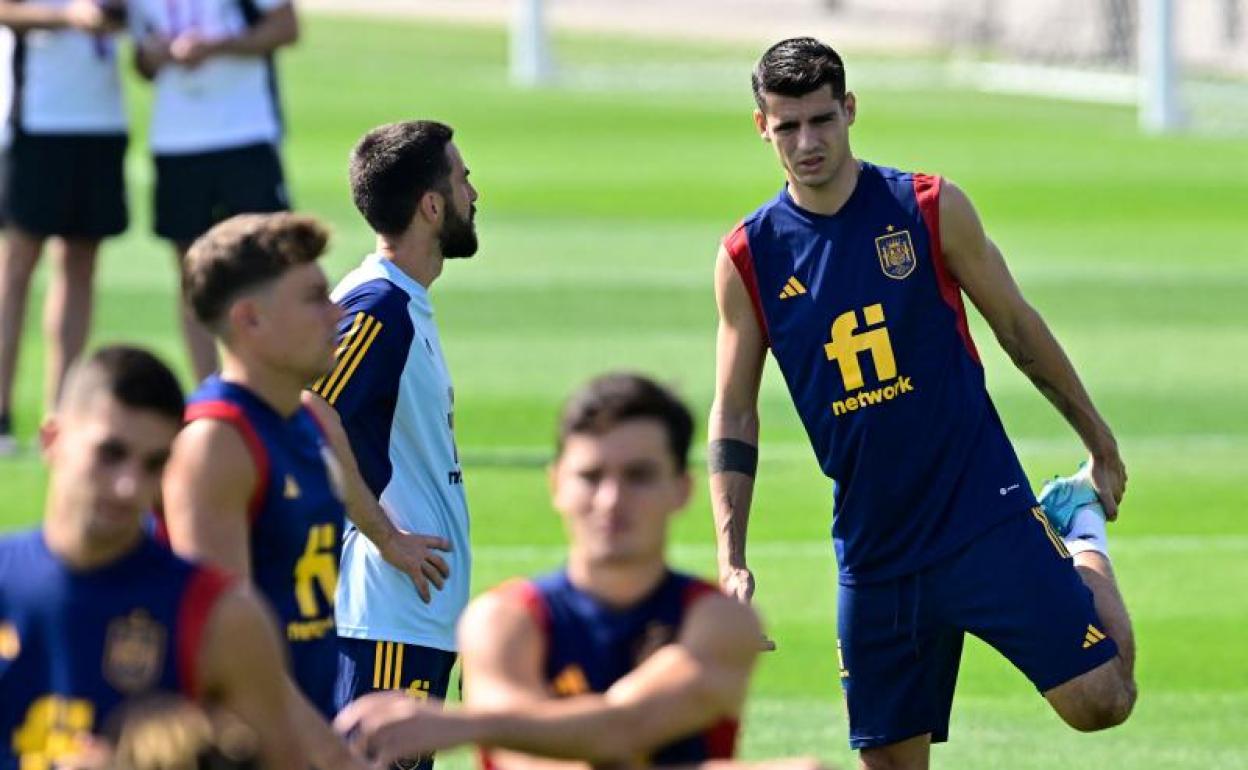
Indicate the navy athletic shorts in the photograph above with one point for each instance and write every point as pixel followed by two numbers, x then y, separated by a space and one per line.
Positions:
pixel 366 666
pixel 1014 587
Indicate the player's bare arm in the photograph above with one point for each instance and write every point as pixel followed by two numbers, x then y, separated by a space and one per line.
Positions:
pixel 414 555
pixel 732 427
pixel 680 689
pixel 502 647
pixel 206 491
pixel 241 667
pixel 979 267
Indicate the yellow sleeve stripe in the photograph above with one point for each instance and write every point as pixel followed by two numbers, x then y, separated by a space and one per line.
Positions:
pixel 351 350
pixel 356 357
pixel 319 386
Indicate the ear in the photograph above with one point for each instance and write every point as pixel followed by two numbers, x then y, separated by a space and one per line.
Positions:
pixel 431 205
pixel 684 490
pixel 851 108
pixel 243 315
pixel 552 477
pixel 760 123
pixel 49 430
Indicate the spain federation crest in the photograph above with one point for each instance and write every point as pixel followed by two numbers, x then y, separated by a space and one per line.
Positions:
pixel 896 252
pixel 134 652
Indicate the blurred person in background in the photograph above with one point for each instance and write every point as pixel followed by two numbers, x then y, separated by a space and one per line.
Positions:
pixel 65 177
pixel 216 120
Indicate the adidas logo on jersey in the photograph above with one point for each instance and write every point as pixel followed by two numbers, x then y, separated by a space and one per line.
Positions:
pixel 793 288
pixel 1093 636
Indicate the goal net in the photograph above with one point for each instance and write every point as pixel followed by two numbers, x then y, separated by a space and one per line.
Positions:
pixel 1183 62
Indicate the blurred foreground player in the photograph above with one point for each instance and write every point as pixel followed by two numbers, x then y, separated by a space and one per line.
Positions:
pixel 852 275
pixel 93 612
pixel 616 658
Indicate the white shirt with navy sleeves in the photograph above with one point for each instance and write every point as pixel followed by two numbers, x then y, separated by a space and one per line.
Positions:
pixel 393 391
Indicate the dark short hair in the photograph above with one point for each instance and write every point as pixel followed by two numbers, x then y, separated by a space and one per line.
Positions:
pixel 243 253
pixel 132 376
pixel 796 67
pixel 610 399
pixel 393 165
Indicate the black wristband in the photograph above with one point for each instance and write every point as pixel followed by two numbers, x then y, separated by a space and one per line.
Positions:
pixel 732 456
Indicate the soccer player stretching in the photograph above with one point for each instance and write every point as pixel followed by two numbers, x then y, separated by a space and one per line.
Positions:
pixel 853 275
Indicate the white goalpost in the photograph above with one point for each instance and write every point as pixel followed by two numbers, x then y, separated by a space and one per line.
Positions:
pixel 531 62
pixel 1159 107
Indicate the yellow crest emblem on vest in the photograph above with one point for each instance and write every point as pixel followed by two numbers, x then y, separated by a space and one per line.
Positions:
pixel 134 652
pixel 896 253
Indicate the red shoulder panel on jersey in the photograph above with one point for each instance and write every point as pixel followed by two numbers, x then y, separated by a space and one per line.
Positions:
pixel 233 414
pixel 927 192
pixel 696 590
pixel 526 595
pixel 737 244
pixel 721 739
pixel 202 593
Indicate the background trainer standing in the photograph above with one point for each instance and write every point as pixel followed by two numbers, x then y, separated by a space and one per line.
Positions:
pixel 216 119
pixel 65 176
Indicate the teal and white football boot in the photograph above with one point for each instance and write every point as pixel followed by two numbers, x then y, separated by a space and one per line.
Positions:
pixel 1064 496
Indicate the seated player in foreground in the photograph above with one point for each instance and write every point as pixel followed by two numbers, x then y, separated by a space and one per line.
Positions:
pixel 616 658
pixel 93 613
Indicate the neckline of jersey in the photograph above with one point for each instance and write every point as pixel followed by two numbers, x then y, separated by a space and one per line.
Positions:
pixel 787 200
pixel 417 293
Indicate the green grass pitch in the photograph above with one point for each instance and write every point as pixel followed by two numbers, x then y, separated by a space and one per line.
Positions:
pixel 599 215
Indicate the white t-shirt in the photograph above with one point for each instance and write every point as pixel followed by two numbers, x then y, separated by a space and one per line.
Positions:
pixel 225 102
pixel 69 82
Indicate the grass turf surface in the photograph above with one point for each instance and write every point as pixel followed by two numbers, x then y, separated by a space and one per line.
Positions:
pixel 599 216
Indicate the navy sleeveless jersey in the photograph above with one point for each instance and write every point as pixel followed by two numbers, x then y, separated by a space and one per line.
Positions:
pixel 590 645
pixel 296 525
pixel 76 645
pixel 869 330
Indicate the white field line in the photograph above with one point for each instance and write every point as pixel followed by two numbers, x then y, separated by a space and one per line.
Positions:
pixel 1129 545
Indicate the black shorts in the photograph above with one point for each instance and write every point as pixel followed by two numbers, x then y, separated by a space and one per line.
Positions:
pixel 68 185
pixel 366 666
pixel 196 191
